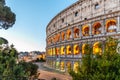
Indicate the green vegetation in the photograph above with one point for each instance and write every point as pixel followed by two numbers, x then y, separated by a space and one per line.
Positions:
pixel 7 17
pixel 100 67
pixel 10 68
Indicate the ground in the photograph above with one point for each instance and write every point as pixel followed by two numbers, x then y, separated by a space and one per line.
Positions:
pixel 47 73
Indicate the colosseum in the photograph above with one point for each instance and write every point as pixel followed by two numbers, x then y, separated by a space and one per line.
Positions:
pixel 83 22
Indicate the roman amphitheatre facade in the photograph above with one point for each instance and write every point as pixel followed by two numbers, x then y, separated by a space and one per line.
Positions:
pixel 84 22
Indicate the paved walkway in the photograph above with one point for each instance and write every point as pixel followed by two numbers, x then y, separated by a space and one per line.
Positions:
pixel 48 73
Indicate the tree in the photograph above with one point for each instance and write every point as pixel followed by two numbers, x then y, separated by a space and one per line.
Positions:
pixel 100 67
pixel 3 41
pixel 10 68
pixel 7 17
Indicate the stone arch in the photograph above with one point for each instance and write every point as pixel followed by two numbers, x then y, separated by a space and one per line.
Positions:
pixel 62 50
pixel 83 48
pixel 75 67
pixel 76 32
pixel 57 51
pixel 76 49
pixel 111 25
pixel 62 65
pixel 96 28
pixel 68 65
pixel 97 48
pixel 63 36
pixel 85 30
pixel 54 51
pixel 68 50
pixel 69 35
pixel 58 37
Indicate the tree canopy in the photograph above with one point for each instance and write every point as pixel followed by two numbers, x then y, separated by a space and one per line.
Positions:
pixel 100 67
pixel 7 17
pixel 3 41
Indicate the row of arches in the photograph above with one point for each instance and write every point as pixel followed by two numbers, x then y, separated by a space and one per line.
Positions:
pixel 111 26
pixel 75 49
pixel 64 65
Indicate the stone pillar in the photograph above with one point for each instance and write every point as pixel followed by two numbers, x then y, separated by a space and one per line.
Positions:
pixel 90 29
pixel 65 48
pixel 80 50
pixel 65 38
pixel 103 27
pixel 118 24
pixel 72 53
pixel 72 33
pixel 60 39
pixel 80 31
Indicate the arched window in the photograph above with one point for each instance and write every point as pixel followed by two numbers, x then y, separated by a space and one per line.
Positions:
pixel 62 50
pixel 111 25
pixel 76 67
pixel 76 32
pixel 57 51
pixel 85 49
pixel 62 65
pixel 97 49
pixel 63 36
pixel 69 35
pixel 68 50
pixel 85 30
pixel 96 28
pixel 76 49
pixel 58 37
pixel 68 65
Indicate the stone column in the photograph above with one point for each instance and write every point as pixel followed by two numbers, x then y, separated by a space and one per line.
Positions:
pixel 60 39
pixel 65 49
pixel 72 33
pixel 80 31
pixel 90 29
pixel 72 53
pixel 65 38
pixel 118 24
pixel 80 50
pixel 103 27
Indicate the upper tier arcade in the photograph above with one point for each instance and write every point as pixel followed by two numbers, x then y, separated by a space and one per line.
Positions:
pixel 80 11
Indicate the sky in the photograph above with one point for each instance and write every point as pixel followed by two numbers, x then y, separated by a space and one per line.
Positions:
pixel 32 16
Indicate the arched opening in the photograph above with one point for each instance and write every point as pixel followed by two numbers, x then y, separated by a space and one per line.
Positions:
pixel 57 51
pixel 58 37
pixel 57 64
pixel 63 36
pixel 62 65
pixel 76 67
pixel 97 48
pixel 69 34
pixel 54 38
pixel 76 32
pixel 83 48
pixel 111 25
pixel 68 64
pixel 68 50
pixel 53 51
pixel 97 28
pixel 76 49
pixel 85 30
pixel 62 50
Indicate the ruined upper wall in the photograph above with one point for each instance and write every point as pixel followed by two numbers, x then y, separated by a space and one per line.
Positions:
pixel 81 10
